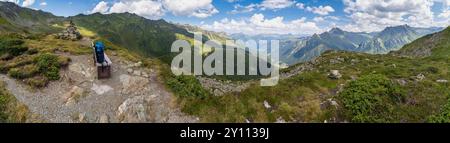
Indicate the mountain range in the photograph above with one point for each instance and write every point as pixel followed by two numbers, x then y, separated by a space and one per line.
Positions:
pixel 294 50
pixel 390 39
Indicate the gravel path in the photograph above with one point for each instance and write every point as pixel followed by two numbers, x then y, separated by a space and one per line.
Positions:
pixel 100 99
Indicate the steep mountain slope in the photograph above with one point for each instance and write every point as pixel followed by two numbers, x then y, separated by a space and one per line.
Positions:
pixel 149 37
pixel 335 39
pixel 210 35
pixel 431 45
pixel 14 18
pixel 390 39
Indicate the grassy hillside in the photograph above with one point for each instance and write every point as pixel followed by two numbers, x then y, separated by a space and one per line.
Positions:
pixel 147 37
pixel 374 88
pixel 433 45
pixel 14 18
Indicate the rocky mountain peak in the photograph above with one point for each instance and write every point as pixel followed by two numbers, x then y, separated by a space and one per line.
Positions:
pixel 336 30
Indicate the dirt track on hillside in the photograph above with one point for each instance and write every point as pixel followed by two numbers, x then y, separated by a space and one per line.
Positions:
pixel 140 96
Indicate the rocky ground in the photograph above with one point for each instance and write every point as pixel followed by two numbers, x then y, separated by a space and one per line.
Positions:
pixel 133 94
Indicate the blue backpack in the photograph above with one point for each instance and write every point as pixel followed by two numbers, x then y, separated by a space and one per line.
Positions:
pixel 99 52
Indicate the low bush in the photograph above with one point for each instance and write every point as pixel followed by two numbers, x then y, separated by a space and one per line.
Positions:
pixel 48 65
pixel 442 117
pixel 372 98
pixel 37 81
pixel 23 72
pixel 12 46
pixel 187 86
pixel 32 51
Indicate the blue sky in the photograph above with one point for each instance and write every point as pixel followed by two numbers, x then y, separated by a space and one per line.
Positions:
pixel 266 16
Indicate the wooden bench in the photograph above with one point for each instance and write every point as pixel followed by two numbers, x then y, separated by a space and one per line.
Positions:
pixel 103 69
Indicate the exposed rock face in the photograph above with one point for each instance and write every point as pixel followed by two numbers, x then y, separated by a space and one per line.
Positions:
pixel 134 109
pixel 73 95
pixel 134 85
pixel 147 108
pixel 82 118
pixel 101 89
pixel 334 74
pixel 71 33
pixel 104 119
pixel 81 69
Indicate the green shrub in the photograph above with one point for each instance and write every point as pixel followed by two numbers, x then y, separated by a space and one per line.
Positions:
pixel 442 117
pixel 14 50
pixel 37 81
pixel 372 98
pixel 187 86
pixel 12 46
pixel 48 65
pixel 23 72
pixel 32 51
pixel 433 70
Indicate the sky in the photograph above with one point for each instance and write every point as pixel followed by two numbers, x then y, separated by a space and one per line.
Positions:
pixel 300 17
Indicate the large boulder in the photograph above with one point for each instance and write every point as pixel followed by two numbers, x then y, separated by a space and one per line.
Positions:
pixel 334 74
pixel 135 109
pixel 73 95
pixel 134 85
pixel 101 89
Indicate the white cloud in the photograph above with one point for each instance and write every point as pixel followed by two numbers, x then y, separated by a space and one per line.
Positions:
pixel 333 18
pixel 445 9
pixel 318 19
pixel 445 14
pixel 300 5
pixel 276 4
pixel 258 24
pixel 199 8
pixel 244 9
pixel 43 4
pixel 264 5
pixel 147 8
pixel 101 7
pixel 27 3
pixel 321 10
pixel 232 1
pixel 375 15
pixel 155 9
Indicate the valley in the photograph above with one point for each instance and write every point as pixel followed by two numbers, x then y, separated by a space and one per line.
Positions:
pixel 397 75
